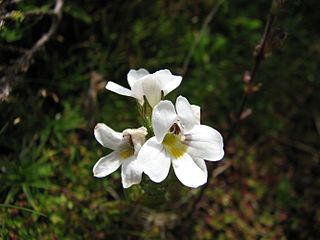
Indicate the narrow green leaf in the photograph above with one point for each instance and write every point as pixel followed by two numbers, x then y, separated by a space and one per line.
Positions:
pixel 22 208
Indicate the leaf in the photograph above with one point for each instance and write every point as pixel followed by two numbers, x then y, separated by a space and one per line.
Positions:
pixel 28 194
pixel 10 35
pixel 22 208
pixel 78 13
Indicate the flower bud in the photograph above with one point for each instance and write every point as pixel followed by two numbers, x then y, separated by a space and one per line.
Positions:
pixel 246 77
pixel 135 137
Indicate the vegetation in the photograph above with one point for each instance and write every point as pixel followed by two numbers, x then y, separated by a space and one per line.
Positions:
pixel 267 186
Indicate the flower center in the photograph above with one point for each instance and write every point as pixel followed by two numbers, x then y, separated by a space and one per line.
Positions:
pixel 175 129
pixel 174 146
pixel 126 152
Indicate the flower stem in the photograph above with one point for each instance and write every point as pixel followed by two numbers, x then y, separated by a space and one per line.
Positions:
pixel 145 113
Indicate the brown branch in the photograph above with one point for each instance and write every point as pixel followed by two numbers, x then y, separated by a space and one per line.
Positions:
pixel 22 64
pixel 317 124
pixel 257 62
pixel 193 207
pixel 301 146
pixel 54 26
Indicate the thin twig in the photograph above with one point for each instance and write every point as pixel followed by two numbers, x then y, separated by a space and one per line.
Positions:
pixel 193 207
pixel 45 38
pixel 298 145
pixel 317 124
pixel 195 43
pixel 21 65
pixel 257 62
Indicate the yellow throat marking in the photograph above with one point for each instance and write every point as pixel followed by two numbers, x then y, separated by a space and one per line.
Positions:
pixel 126 153
pixel 172 143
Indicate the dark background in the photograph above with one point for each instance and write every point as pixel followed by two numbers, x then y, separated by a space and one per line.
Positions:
pixel 271 190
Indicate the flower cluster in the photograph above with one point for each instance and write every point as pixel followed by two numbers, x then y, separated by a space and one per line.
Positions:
pixel 179 138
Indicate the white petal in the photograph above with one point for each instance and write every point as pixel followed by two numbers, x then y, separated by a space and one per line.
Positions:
pixel 151 89
pixel 106 165
pixel 107 137
pixel 163 117
pixel 202 165
pixel 197 113
pixel 168 81
pixel 204 142
pixel 137 91
pixel 185 113
pixel 130 172
pixel 188 172
pixel 114 87
pixel 134 75
pixel 175 82
pixel 154 161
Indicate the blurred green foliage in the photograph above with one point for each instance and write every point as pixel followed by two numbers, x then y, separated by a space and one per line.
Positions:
pixel 47 146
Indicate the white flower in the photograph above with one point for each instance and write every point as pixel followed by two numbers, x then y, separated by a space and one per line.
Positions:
pixel 126 146
pixel 152 86
pixel 180 140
